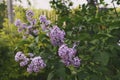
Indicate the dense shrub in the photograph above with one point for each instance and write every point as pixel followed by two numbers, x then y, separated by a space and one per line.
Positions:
pixel 95 32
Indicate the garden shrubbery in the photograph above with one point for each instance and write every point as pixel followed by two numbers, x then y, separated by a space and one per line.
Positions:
pixel 85 47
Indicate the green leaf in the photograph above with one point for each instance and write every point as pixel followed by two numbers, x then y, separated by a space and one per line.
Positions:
pixel 84 36
pixel 23 42
pixel 50 75
pixel 104 58
pixel 69 33
pixel 37 39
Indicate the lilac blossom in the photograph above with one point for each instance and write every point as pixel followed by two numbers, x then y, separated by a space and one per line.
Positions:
pixel 23 25
pixel 76 62
pixel 32 31
pixel 20 30
pixel 17 23
pixel 33 22
pixel 29 14
pixel 43 26
pixel 66 62
pixel 62 51
pixel 43 19
pixel 25 62
pixel 67 55
pixel 36 65
pixel 30 55
pixel 72 52
pixel 45 23
pixel 56 36
pixel 19 56
pixel 35 32
pixel 29 29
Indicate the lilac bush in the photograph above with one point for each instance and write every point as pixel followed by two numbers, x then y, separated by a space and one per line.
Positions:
pixel 54 34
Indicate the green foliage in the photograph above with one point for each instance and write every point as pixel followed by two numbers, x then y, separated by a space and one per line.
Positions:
pixel 97 31
pixel 2 13
pixel 8 66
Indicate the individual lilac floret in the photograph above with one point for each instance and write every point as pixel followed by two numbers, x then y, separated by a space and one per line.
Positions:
pixel 23 25
pixel 66 62
pixel 36 65
pixel 30 55
pixel 20 30
pixel 76 62
pixel 56 36
pixel 29 14
pixel 29 29
pixel 19 56
pixel 72 52
pixel 35 32
pixel 17 23
pixel 47 22
pixel 43 19
pixel 33 21
pixel 44 28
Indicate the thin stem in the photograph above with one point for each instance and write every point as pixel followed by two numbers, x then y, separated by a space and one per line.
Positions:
pixel 115 8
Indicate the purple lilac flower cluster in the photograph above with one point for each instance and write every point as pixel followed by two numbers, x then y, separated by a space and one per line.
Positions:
pixel 45 23
pixel 28 29
pixel 67 56
pixel 21 26
pixel 56 36
pixel 29 15
pixel 20 57
pixel 35 65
